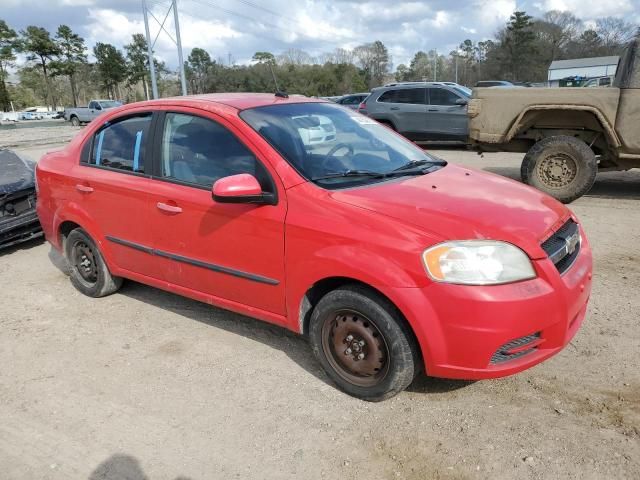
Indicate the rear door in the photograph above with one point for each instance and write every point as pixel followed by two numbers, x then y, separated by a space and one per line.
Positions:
pixel 234 252
pixel 110 183
pixel 445 119
pixel 406 108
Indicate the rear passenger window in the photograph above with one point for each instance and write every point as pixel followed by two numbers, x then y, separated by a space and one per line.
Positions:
pixel 440 96
pixel 200 151
pixel 120 145
pixel 415 96
pixel 388 96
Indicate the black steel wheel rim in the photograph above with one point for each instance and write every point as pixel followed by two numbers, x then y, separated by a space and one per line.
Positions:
pixel 84 261
pixel 355 348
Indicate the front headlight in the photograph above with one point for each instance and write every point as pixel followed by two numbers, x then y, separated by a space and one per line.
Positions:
pixel 477 262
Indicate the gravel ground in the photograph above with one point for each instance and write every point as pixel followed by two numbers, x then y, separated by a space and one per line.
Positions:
pixel 148 385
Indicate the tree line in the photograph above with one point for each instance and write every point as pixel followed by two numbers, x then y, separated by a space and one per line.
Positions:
pixel 57 71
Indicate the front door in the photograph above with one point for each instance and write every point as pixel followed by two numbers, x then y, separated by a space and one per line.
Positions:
pixel 234 252
pixel 446 120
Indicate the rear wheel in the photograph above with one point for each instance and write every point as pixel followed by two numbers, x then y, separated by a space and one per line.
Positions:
pixel 561 166
pixel 363 343
pixel 75 122
pixel 87 269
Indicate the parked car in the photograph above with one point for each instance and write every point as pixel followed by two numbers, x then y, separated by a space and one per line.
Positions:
pixel 494 83
pixel 568 134
pixel 421 110
pixel 390 260
pixel 18 218
pixel 315 130
pixel 598 82
pixel 29 116
pixel 331 99
pixel 78 115
pixel 352 100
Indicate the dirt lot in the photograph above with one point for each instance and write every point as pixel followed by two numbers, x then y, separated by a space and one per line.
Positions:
pixel 145 384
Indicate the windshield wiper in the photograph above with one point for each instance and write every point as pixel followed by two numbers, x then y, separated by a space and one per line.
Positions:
pixel 416 163
pixel 368 173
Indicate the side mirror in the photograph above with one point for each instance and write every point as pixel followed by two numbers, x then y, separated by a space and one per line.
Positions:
pixel 461 101
pixel 241 188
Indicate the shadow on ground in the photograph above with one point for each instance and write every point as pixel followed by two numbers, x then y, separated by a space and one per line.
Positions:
pixel 26 245
pixel 121 467
pixel 294 346
pixel 610 185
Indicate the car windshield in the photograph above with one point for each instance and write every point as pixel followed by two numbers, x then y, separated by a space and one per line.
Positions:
pixel 463 90
pixel 336 147
pixel 110 103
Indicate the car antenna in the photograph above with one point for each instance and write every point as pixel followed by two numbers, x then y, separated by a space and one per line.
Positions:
pixel 278 94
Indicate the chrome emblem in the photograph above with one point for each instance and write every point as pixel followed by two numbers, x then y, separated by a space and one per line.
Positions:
pixel 572 242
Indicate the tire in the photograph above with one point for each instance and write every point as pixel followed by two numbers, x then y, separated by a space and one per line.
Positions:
pixel 353 324
pixel 75 122
pixel 87 270
pixel 561 166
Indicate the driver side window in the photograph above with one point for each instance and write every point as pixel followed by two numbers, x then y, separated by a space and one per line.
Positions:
pixel 199 151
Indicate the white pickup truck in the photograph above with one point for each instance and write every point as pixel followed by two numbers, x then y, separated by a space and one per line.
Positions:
pixel 85 114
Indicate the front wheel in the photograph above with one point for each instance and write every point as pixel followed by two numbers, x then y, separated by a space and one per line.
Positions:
pixel 87 269
pixel 561 166
pixel 363 344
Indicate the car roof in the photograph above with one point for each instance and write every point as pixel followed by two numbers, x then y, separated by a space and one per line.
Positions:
pixel 396 85
pixel 239 101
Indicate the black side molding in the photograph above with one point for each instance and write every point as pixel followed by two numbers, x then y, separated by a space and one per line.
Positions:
pixel 192 261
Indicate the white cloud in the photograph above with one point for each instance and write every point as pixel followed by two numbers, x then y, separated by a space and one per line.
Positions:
pixel 316 26
pixel 590 9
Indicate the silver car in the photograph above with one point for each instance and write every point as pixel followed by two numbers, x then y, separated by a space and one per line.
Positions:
pixel 352 100
pixel 421 111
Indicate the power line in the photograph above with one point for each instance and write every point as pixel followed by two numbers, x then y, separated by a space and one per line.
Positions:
pixel 251 19
pixel 278 15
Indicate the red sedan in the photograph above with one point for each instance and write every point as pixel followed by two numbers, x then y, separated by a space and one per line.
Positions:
pixel 311 216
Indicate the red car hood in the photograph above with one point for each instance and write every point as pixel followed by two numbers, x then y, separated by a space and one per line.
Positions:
pixel 456 203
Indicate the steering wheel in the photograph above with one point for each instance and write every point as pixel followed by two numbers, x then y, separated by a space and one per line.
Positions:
pixel 330 155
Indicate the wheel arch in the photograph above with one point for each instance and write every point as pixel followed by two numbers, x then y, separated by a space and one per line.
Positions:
pixel 387 122
pixel 583 117
pixel 74 217
pixel 320 288
pixel 63 231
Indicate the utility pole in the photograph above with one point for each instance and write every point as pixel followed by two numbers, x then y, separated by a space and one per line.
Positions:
pixel 152 67
pixel 456 67
pixel 435 65
pixel 183 80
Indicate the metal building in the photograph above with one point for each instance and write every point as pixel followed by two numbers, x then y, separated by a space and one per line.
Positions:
pixel 581 68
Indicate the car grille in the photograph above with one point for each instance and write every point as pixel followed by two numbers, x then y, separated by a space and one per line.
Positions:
pixel 515 349
pixel 563 246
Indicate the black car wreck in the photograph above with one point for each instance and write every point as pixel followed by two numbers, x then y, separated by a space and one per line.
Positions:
pixel 18 218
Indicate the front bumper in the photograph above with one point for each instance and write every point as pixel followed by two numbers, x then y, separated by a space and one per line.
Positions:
pixel 460 328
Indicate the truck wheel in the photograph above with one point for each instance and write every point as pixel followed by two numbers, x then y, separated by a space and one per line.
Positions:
pixel 363 344
pixel 87 269
pixel 75 122
pixel 562 166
